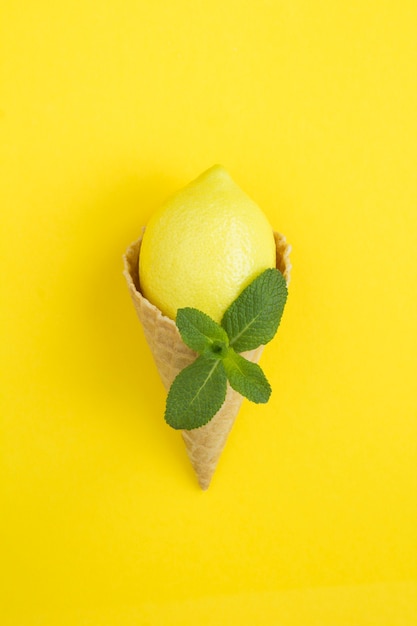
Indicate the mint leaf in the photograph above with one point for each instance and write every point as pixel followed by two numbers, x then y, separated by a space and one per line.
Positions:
pixel 253 318
pixel 200 333
pixel 246 378
pixel 196 394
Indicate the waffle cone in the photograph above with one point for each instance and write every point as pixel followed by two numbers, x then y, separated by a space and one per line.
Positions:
pixel 205 444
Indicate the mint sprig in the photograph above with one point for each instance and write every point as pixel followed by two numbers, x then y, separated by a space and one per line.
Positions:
pixel 252 320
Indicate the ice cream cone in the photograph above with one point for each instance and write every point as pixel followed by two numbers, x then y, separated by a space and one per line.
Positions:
pixel 205 444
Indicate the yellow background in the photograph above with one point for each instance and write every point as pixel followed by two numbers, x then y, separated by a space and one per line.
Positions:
pixel 106 108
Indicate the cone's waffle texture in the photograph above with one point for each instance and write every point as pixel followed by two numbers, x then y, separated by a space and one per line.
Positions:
pixel 205 444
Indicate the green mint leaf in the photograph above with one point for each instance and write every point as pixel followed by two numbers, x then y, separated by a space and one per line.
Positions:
pixel 196 394
pixel 246 378
pixel 253 318
pixel 200 333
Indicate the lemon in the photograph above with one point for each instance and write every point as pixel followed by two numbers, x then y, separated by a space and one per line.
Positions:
pixel 203 246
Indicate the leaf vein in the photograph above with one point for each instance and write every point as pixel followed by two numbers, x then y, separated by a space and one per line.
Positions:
pixel 200 389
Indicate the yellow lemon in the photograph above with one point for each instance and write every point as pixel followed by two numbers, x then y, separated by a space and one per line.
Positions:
pixel 203 246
